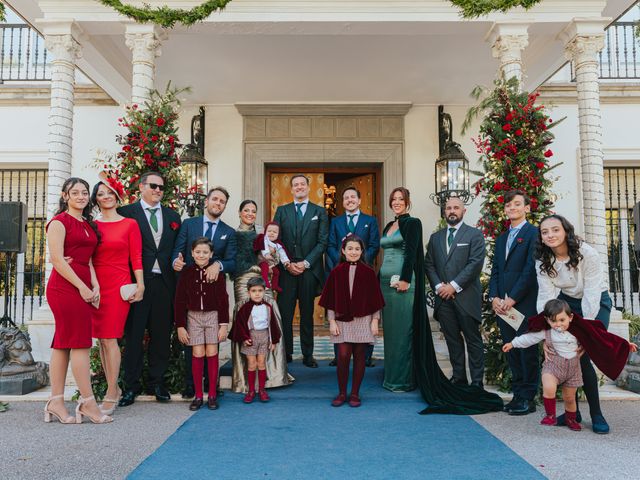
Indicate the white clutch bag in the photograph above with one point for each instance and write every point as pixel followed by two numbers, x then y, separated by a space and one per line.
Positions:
pixel 393 281
pixel 127 290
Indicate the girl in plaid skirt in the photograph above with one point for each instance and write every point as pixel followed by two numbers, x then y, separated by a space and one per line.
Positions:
pixel 353 300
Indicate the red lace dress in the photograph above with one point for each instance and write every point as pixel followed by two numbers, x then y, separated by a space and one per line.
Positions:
pixel 119 252
pixel 71 313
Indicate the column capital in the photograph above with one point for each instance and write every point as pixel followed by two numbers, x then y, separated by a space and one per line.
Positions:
pixel 62 38
pixel 144 40
pixel 583 38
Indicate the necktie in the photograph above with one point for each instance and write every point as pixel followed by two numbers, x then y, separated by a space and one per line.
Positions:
pixel 299 210
pixel 209 230
pixel 153 220
pixel 351 224
pixel 450 237
pixel 512 236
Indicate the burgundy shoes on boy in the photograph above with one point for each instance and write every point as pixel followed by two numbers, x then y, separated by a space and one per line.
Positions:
pixel 339 400
pixel 264 396
pixel 248 398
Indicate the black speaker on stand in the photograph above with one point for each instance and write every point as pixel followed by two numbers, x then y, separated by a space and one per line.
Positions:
pixel 13 239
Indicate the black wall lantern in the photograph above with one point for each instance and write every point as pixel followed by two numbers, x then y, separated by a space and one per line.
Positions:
pixel 452 166
pixel 195 167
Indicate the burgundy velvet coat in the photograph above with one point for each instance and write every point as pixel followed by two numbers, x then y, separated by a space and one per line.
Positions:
pixel 608 351
pixel 366 298
pixel 196 294
pixel 240 330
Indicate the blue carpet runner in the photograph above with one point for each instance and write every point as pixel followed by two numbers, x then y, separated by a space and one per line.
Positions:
pixel 298 435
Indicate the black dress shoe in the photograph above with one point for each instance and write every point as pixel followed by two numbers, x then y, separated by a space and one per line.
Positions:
pixel 289 358
pixel 212 403
pixel 370 363
pixel 514 401
pixel 128 398
pixel 310 362
pixel 162 394
pixel 524 407
pixel 188 392
pixel 195 404
pixel 333 363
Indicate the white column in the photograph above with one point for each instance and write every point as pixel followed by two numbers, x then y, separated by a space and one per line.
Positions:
pixel 144 41
pixel 583 39
pixel 508 40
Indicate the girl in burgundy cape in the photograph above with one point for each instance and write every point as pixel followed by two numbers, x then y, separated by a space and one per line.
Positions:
pixel 353 313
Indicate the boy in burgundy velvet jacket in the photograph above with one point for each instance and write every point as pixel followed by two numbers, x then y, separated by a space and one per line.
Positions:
pixel 202 317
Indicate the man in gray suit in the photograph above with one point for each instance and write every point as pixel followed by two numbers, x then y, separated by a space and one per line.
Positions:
pixel 453 263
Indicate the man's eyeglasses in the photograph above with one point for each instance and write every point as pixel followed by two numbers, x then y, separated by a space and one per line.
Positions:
pixel 155 186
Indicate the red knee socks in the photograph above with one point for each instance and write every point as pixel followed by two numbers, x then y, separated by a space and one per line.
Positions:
pixel 343 360
pixel 550 406
pixel 197 370
pixel 212 367
pixel 262 379
pixel 251 379
pixel 359 357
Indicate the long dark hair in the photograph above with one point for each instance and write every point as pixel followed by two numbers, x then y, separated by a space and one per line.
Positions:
pixel 87 211
pixel 545 254
pixel 352 238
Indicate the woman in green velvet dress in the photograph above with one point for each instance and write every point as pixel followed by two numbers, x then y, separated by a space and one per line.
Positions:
pixel 246 268
pixel 410 358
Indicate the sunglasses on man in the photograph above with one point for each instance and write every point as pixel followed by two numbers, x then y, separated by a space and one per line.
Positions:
pixel 155 186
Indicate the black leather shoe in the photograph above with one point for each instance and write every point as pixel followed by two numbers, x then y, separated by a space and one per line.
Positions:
pixel 212 403
pixel 457 381
pixel 162 394
pixel 310 362
pixel 128 398
pixel 289 358
pixel 514 401
pixel 370 363
pixel 188 392
pixel 523 407
pixel 333 363
pixel 196 404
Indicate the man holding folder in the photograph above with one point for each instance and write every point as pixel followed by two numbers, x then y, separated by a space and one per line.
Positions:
pixel 513 285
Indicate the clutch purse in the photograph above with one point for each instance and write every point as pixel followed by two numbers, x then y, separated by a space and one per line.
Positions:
pixel 393 281
pixel 127 290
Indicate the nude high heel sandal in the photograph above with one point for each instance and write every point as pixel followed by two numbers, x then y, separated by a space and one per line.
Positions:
pixel 48 413
pixel 109 411
pixel 80 413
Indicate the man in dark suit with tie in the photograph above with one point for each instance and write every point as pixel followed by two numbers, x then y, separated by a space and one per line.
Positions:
pixel 513 284
pixel 304 228
pixel 453 263
pixel 353 222
pixel 223 238
pixel 159 227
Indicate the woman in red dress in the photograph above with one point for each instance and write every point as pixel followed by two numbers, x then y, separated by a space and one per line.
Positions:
pixel 119 252
pixel 71 290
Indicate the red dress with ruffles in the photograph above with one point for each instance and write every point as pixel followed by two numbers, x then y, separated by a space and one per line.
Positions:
pixel 119 252
pixel 71 313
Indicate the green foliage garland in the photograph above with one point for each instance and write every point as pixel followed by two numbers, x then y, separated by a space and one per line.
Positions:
pixel 478 8
pixel 3 12
pixel 165 16
pixel 514 151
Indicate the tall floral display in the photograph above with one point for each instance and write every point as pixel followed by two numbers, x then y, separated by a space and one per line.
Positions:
pixel 150 144
pixel 514 146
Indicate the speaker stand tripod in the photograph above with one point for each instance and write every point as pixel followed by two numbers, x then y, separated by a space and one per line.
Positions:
pixel 6 321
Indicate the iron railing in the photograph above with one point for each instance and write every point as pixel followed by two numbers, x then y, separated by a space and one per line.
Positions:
pixel 26 270
pixel 622 190
pixel 23 56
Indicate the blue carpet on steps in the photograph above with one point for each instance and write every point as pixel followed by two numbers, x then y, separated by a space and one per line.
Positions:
pixel 298 435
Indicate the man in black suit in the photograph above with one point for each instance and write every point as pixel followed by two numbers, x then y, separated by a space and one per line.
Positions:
pixel 513 284
pixel 304 229
pixel 159 227
pixel 453 263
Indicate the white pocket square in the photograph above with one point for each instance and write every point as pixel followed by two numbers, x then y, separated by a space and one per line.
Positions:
pixel 314 218
pixel 463 244
pixel 366 226
pixel 223 237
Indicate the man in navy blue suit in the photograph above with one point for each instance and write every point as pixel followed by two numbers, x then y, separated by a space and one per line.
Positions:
pixel 353 222
pixel 223 238
pixel 513 284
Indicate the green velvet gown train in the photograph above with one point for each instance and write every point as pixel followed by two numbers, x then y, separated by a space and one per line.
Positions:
pixel 438 392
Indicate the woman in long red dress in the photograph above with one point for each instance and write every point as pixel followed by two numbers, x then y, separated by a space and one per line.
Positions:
pixel 119 252
pixel 72 288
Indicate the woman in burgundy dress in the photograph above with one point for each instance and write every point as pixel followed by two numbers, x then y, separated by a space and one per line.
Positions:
pixel 71 290
pixel 119 252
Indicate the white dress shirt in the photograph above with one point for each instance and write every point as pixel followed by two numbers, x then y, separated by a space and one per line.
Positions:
pixel 303 209
pixel 260 317
pixel 564 343
pixel 156 235
pixel 205 226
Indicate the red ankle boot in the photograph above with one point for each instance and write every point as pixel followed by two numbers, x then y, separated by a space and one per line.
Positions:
pixel 264 396
pixel 572 423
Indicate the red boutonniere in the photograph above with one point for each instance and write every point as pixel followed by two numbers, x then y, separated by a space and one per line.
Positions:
pixel 174 225
pixel 520 240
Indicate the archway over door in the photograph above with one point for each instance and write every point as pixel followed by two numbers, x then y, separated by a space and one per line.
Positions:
pixel 330 135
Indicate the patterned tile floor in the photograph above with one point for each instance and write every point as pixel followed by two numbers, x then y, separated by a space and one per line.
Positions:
pixel 323 348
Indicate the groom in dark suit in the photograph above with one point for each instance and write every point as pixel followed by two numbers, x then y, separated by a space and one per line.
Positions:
pixel 353 222
pixel 304 228
pixel 223 238
pixel 513 284
pixel 159 227
pixel 453 264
